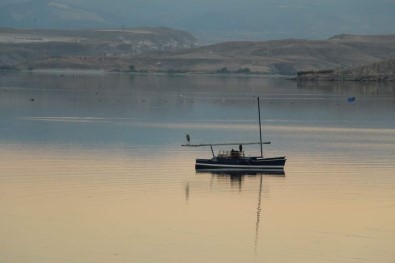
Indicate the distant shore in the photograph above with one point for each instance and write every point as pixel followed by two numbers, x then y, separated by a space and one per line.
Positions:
pixel 301 76
pixel 73 71
pixel 379 71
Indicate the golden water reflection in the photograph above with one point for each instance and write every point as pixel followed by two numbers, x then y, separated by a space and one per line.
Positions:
pixel 108 205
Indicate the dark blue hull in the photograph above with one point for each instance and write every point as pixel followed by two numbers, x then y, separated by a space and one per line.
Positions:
pixel 250 163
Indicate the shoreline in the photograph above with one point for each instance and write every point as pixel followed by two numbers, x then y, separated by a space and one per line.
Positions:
pixel 102 72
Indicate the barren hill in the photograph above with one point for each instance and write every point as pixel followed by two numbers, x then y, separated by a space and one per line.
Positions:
pixel 277 57
pixel 166 50
pixel 21 48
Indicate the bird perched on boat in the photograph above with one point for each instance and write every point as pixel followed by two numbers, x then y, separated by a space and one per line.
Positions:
pixel 188 138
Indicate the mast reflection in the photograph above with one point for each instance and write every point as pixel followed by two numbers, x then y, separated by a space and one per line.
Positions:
pixel 258 215
pixel 237 176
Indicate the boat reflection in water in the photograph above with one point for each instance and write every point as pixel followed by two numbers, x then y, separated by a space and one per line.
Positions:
pixel 237 176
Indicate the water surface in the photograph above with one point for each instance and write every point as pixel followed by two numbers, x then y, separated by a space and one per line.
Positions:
pixel 91 170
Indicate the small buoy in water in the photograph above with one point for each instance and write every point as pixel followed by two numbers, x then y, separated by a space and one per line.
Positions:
pixel 31 99
pixel 351 99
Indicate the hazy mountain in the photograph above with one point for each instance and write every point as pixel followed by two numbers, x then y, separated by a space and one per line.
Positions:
pixel 213 21
pixel 49 14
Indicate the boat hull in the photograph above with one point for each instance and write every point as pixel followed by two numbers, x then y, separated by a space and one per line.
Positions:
pixel 250 163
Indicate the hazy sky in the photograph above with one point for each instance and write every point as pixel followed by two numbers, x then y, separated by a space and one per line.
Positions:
pixel 229 19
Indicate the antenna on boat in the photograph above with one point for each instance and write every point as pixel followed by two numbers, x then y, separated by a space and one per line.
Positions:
pixel 260 128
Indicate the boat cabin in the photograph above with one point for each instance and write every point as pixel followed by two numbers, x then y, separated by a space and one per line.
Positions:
pixel 231 154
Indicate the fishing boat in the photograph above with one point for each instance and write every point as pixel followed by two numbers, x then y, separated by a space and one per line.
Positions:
pixel 236 160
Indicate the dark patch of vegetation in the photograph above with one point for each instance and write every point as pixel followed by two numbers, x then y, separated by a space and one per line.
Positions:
pixel 175 71
pixel 325 71
pixel 8 68
pixel 132 68
pixel 243 71
pixel 223 70
pixel 308 72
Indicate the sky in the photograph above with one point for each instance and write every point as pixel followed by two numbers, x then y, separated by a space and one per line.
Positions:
pixel 213 20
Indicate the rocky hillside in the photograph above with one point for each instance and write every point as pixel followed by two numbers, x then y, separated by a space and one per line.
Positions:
pixel 166 50
pixel 276 57
pixel 20 48
pixel 380 71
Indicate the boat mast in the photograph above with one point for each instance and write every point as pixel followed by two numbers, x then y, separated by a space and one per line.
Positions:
pixel 260 128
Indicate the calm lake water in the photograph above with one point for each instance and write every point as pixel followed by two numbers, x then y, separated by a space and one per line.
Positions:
pixel 91 170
